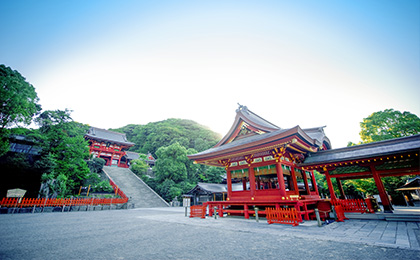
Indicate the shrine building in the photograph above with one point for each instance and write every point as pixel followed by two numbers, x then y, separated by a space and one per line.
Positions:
pixel 110 146
pixel 265 159
pixel 276 166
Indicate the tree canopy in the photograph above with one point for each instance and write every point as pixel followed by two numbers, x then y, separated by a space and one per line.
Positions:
pixel 62 141
pixel 18 99
pixel 152 136
pixel 19 103
pixel 388 124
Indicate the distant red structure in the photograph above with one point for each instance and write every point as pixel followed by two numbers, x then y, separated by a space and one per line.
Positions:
pixel 110 146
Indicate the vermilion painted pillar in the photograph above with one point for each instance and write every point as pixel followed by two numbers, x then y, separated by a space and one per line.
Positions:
pixel 314 182
pixel 305 180
pixel 251 175
pixel 340 188
pixel 280 178
pixel 229 184
pixel 330 186
pixel 382 192
pixel 295 186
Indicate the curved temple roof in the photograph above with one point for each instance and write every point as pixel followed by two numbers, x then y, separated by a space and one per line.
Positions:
pixel 106 135
pixel 251 133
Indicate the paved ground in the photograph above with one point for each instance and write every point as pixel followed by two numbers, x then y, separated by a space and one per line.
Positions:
pixel 165 233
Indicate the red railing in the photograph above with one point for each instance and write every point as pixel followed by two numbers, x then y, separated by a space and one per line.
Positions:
pixel 117 190
pixel 282 216
pixel 43 202
pixel 354 205
pixel 198 211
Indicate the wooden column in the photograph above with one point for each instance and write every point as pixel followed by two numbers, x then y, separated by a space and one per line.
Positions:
pixel 382 192
pixel 340 188
pixel 229 184
pixel 314 182
pixel 330 186
pixel 295 186
pixel 251 175
pixel 305 180
pixel 280 177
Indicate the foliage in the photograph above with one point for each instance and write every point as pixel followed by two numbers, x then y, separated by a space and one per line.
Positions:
pixel 139 167
pixel 19 103
pixel 18 98
pixel 175 173
pixel 152 136
pixel 62 141
pixel 388 124
pixel 96 165
pixel 212 174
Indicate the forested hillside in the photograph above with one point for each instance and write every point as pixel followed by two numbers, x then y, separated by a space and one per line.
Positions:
pixel 152 136
pixel 170 141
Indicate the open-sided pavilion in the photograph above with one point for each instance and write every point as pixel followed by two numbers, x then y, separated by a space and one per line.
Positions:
pixel 395 157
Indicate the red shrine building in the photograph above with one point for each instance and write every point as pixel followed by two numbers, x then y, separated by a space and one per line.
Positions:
pixel 110 146
pixel 265 159
pixel 276 166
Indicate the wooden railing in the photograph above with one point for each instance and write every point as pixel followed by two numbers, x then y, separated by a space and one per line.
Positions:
pixel 198 211
pixel 44 202
pixel 354 205
pixel 282 216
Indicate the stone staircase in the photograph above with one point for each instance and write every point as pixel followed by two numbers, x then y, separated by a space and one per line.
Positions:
pixel 141 195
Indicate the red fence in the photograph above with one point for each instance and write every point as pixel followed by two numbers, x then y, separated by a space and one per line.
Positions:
pixel 355 205
pixel 282 216
pixel 198 211
pixel 43 202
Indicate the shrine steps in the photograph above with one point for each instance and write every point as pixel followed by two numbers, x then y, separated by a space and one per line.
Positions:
pixel 407 214
pixel 138 192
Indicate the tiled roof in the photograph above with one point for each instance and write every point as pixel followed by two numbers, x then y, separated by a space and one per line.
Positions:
pixel 132 155
pixel 370 150
pixel 214 187
pixel 106 135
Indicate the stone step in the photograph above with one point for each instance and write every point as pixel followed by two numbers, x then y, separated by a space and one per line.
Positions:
pixel 402 217
pixel 136 190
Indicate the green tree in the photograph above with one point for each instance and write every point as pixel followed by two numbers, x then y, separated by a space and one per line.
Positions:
pixel 171 163
pixel 388 124
pixel 62 140
pixel 152 136
pixel 139 167
pixel 19 103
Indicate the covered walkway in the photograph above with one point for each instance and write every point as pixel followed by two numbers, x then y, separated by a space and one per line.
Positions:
pixel 395 157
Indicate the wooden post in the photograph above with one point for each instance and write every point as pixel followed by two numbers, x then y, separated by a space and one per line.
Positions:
pixel 246 213
pixel 280 177
pixel 305 180
pixel 340 188
pixel 382 192
pixel 251 175
pixel 314 182
pixel 330 186
pixel 295 186
pixel 229 183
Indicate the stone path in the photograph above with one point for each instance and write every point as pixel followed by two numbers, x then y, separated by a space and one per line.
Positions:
pixel 165 233
pixel 404 235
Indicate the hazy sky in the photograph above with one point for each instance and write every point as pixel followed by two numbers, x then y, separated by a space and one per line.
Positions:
pixel 307 63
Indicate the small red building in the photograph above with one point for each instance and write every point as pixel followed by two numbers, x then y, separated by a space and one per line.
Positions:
pixel 108 145
pixel 265 159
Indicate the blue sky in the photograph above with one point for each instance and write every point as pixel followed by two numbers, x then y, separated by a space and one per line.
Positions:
pixel 307 63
